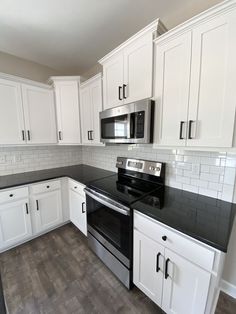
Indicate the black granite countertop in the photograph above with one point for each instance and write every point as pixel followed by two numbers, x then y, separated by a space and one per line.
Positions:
pixel 203 218
pixel 81 173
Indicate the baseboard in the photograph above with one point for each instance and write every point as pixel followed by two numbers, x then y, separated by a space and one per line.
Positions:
pixel 228 288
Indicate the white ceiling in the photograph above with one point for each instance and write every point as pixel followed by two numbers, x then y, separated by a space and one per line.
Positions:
pixel 71 35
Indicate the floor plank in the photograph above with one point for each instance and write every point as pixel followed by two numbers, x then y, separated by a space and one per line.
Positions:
pixel 57 273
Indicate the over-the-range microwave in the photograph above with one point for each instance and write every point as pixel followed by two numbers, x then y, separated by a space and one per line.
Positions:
pixel 131 123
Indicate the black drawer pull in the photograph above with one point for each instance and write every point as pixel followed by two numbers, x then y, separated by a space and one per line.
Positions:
pixel 124 91
pixel 37 204
pixel 27 209
pixel 23 135
pixel 83 210
pixel 190 130
pixel 181 130
pixel 28 132
pixel 75 187
pixel 11 195
pixel 60 135
pixel 166 268
pixel 48 186
pixel 119 90
pixel 157 263
pixel 164 238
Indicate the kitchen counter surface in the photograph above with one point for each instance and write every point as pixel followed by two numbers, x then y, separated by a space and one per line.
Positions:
pixel 204 218
pixel 81 173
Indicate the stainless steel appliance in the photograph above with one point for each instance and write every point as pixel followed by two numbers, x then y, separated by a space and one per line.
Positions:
pixel 109 214
pixel 131 123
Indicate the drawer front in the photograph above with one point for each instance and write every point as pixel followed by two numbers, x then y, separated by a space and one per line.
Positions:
pixel 175 241
pixel 13 194
pixel 46 186
pixel 77 187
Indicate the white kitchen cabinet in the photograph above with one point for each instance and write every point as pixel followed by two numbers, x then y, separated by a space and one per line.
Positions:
pixel 178 273
pixel 172 90
pixel 77 205
pixel 15 221
pixel 47 206
pixel 12 128
pixel 148 266
pixel 40 116
pixel 90 106
pixel 67 104
pixel 127 71
pixel 194 81
pixel 185 290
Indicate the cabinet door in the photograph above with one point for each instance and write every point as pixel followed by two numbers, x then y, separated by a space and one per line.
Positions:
pixel 40 117
pixel 113 81
pixel 138 69
pixel 86 114
pixel 67 100
pixel 96 105
pixel 148 258
pixel 11 113
pixel 15 223
pixel 212 89
pixel 78 211
pixel 172 78
pixel 48 210
pixel 186 288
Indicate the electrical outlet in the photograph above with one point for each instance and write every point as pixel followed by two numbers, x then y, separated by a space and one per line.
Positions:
pixel 195 169
pixel 2 159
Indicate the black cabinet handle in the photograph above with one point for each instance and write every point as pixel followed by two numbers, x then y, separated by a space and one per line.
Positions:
pixel 23 135
pixel 124 91
pixel 190 129
pixel 28 133
pixel 166 268
pixel 37 204
pixel 91 135
pixel 164 238
pixel 48 186
pixel 83 210
pixel 157 263
pixel 27 209
pixel 88 135
pixel 75 187
pixel 59 135
pixel 119 91
pixel 11 195
pixel 181 130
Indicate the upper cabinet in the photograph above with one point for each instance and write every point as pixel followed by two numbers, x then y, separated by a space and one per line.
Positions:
pixel 27 113
pixel 67 104
pixel 90 106
pixel 194 81
pixel 127 71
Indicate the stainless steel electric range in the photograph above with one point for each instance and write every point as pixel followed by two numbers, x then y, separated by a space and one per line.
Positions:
pixel 109 214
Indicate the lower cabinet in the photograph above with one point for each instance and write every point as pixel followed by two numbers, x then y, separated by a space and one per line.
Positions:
pixel 77 202
pixel 15 223
pixel 175 283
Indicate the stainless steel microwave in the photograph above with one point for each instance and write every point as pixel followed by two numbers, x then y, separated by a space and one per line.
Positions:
pixel 131 123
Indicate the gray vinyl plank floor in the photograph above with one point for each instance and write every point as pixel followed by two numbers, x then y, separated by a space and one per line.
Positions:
pixel 57 273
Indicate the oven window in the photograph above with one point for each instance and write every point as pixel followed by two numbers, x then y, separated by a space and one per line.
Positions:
pixel 111 225
pixel 115 127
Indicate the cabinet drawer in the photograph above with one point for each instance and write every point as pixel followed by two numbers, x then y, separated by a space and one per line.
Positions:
pixel 175 241
pixel 46 186
pixel 13 194
pixel 77 187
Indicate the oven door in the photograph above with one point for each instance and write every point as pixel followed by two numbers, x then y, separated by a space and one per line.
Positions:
pixel 110 224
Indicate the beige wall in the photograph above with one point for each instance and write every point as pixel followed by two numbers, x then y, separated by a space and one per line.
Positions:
pixel 27 69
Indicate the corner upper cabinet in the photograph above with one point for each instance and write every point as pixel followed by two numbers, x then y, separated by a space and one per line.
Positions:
pixel 12 128
pixel 90 106
pixel 194 81
pixel 40 115
pixel 127 70
pixel 67 104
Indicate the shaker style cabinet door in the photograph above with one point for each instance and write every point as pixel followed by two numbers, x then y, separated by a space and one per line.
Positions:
pixel 96 105
pixel 12 129
pixel 15 223
pixel 78 211
pixel 172 78
pixel 138 69
pixel 185 288
pixel 148 266
pixel 113 81
pixel 212 90
pixel 47 210
pixel 86 114
pixel 40 115
pixel 67 101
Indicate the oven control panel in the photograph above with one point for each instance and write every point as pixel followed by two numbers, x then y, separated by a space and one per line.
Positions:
pixel 144 166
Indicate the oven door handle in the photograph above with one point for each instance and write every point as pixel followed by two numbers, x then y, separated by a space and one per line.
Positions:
pixel 107 203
